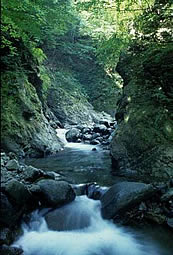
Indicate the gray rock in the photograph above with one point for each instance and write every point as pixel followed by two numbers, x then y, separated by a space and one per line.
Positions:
pixel 87 137
pixel 8 250
pixel 100 129
pixel 12 165
pixel 80 189
pixel 72 135
pixel 170 222
pixel 95 135
pixel 4 236
pixel 18 193
pixel 86 130
pixel 31 173
pixel 94 142
pixel 8 214
pixel 56 193
pixel 104 122
pixel 168 195
pixel 123 196
pixel 100 139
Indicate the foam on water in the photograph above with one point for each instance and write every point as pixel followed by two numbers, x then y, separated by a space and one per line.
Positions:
pixel 100 237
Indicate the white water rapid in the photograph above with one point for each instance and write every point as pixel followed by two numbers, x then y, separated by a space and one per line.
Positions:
pixel 95 237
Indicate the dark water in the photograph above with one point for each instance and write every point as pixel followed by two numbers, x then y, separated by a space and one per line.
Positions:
pixel 79 164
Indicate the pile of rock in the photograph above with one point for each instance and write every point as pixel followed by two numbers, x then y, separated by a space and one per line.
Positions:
pixel 25 188
pixel 97 134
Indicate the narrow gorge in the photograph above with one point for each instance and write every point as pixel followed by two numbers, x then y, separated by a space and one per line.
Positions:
pixel 86 128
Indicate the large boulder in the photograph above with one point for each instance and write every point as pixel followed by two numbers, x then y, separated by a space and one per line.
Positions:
pixel 12 165
pixel 100 129
pixel 72 135
pixel 18 193
pixel 31 173
pixel 124 195
pixel 8 214
pixel 55 193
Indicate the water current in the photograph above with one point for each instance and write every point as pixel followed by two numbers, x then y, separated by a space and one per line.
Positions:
pixel 82 230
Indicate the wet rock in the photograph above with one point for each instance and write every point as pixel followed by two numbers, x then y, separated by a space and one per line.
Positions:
pixel 8 214
pixel 72 135
pixel 100 139
pixel 142 207
pixel 95 135
pixel 156 217
pixel 170 222
pixel 4 236
pixel 80 189
pixel 124 195
pixel 31 173
pixel 8 250
pixel 104 122
pixel 56 193
pixel 94 191
pixel 12 165
pixel 18 193
pixel 94 142
pixel 171 182
pixel 100 129
pixel 12 155
pixel 94 149
pixel 87 137
pixel 168 195
pixel 105 143
pixel 86 130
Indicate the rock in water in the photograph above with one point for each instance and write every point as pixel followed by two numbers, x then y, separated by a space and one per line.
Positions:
pixel 72 135
pixel 12 165
pixel 18 193
pixel 56 193
pixel 122 196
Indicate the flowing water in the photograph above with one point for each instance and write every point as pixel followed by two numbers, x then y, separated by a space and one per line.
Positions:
pixel 83 231
pixel 90 234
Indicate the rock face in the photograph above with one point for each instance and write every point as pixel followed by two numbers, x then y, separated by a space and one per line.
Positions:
pixel 56 193
pixel 143 140
pixel 25 127
pixel 124 195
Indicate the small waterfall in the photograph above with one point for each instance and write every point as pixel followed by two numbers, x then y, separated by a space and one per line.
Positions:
pixel 83 232
pixel 61 134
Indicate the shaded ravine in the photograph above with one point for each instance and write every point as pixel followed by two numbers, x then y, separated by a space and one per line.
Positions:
pixel 80 164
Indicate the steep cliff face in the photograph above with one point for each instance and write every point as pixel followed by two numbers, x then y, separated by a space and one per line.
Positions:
pixel 25 129
pixel 143 140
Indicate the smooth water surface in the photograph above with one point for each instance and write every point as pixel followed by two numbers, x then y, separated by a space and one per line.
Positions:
pixel 79 164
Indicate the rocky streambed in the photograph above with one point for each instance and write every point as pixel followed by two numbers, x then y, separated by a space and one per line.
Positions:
pixel 42 183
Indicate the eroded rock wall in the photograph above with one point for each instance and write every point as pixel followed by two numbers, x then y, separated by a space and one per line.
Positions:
pixel 143 140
